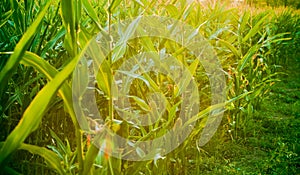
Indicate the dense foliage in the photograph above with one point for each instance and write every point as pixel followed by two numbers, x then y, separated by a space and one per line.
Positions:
pixel 277 3
pixel 41 43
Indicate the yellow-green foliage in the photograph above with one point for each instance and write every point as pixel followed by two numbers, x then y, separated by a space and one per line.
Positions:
pixel 252 45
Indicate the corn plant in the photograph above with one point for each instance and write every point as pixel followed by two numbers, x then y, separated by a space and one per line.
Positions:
pixel 254 72
pixel 52 38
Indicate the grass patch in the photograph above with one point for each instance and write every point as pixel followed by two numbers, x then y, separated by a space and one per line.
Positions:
pixel 272 145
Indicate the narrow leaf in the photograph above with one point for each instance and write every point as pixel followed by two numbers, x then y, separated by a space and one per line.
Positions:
pixel 141 103
pixel 230 47
pixel 51 158
pixel 247 57
pixel 20 49
pixel 255 29
pixel 91 12
pixel 33 114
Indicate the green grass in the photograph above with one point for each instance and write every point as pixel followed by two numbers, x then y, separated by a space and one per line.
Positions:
pixel 272 142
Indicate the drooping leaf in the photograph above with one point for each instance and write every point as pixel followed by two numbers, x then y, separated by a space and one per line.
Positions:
pixel 33 114
pixel 141 103
pixel 231 48
pixel 31 59
pixel 51 158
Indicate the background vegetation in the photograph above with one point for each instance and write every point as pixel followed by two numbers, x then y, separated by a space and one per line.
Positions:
pixel 276 3
pixel 41 43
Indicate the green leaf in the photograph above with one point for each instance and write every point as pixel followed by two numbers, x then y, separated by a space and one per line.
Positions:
pixel 42 66
pixel 120 48
pixel 104 77
pixel 238 97
pixel 81 74
pixel 6 16
pixel 91 12
pixel 230 47
pixel 135 76
pixel 244 21
pixel 10 171
pixel 51 158
pixel 33 114
pixel 140 152
pixel 59 142
pixel 20 49
pixel 140 3
pixel 68 16
pixel 172 10
pixel 114 5
pixel 193 66
pixel 255 29
pixel 90 158
pixel 141 103
pixel 204 113
pixel 247 57
pixel 50 44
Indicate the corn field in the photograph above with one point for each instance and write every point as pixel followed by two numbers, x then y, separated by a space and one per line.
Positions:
pixel 48 125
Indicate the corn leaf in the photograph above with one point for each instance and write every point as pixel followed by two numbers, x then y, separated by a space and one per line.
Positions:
pixel 120 48
pixel 255 29
pixel 20 49
pixel 247 57
pixel 91 12
pixel 140 102
pixel 10 171
pixel 114 5
pixel 51 158
pixel 230 47
pixel 89 159
pixel 104 77
pixel 53 41
pixel 33 114
pixel 31 59
pixel 193 66
pixel 243 21
pixel 68 17
pixel 6 16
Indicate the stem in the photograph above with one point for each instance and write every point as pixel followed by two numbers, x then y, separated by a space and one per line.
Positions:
pixel 110 166
pixel 76 51
pixel 79 149
pixel 110 105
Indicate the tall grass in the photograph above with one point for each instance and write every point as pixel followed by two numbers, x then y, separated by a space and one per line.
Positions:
pixel 51 37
